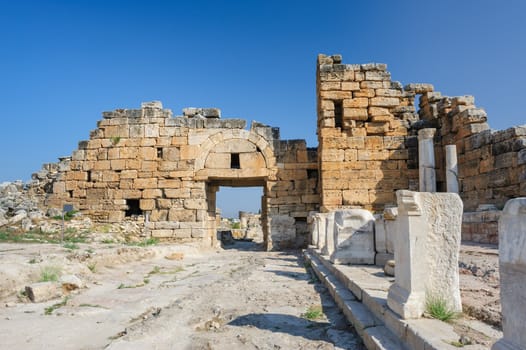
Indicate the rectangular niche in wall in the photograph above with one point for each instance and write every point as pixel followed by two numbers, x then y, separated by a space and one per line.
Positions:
pixel 134 208
pixel 234 161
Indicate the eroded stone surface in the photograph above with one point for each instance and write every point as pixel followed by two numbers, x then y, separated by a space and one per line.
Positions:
pixel 426 252
pixel 512 268
pixel 353 237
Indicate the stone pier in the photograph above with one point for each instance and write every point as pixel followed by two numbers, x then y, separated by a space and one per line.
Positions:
pixel 512 268
pixel 426 160
pixel 328 246
pixel 426 250
pixel 451 168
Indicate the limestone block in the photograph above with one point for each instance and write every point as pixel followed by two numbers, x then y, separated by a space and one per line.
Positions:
pixel 330 85
pixel 376 128
pixel 71 282
pixel 358 102
pixel 199 232
pixel 328 247
pixel 151 130
pixel 195 203
pixel 335 95
pixel 136 131
pixel 253 160
pixel 512 269
pixel 181 215
pixel 189 152
pixel 388 93
pixel 355 113
pixel 419 88
pixel 351 86
pixel 282 231
pixel 218 160
pixel 152 193
pixel 355 197
pixel 43 291
pixel 147 204
pixel 142 183
pixel 384 101
pixel 321 219
pixel 162 233
pixel 426 248
pixel 353 237
pixel 182 233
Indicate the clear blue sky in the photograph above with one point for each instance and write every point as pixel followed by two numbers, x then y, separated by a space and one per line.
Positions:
pixel 64 62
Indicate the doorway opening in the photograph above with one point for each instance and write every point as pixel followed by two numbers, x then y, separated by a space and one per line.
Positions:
pixel 238 209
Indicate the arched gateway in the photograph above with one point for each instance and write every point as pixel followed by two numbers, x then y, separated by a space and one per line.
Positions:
pixel 147 164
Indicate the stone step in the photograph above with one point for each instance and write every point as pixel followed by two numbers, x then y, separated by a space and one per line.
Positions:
pixel 372 331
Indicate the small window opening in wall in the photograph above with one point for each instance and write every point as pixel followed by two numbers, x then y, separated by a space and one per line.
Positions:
pixel 312 173
pixel 89 176
pixel 338 113
pixel 159 152
pixel 134 207
pixel 70 194
pixel 234 161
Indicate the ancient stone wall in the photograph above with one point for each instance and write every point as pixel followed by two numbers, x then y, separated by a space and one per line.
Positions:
pixel 491 163
pixel 367 147
pixel 168 169
pixel 145 163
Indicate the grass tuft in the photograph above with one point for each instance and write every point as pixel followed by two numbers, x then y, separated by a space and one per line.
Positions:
pixel 70 246
pixel 437 307
pixel 49 310
pixel 314 312
pixel 49 274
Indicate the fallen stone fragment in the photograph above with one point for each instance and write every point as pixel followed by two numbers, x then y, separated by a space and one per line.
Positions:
pixel 389 268
pixel 71 282
pixel 43 291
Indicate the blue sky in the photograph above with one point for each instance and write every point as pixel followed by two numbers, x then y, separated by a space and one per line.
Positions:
pixel 64 62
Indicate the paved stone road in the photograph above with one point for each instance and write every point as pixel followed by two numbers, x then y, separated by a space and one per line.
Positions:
pixel 232 299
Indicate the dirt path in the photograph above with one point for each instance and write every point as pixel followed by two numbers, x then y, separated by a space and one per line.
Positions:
pixel 230 299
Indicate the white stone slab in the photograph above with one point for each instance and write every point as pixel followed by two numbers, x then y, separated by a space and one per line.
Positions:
pixel 353 237
pixel 512 269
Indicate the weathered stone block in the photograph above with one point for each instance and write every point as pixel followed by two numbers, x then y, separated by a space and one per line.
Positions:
pixel 426 248
pixel 181 215
pixel 147 204
pixel 384 101
pixel 164 233
pixel 512 269
pixel 359 102
pixel 355 113
pixel 43 291
pixel 353 237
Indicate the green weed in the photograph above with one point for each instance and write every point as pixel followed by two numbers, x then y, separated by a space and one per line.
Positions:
pixel 70 246
pixel 49 310
pixel 437 307
pixel 49 274
pixel 313 312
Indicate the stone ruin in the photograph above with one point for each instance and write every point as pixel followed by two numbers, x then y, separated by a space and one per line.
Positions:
pixel 388 180
pixel 162 171
pixel 165 171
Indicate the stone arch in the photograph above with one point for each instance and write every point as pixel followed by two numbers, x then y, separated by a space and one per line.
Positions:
pixel 261 144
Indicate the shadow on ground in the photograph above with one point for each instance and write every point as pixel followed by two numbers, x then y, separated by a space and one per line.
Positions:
pixel 280 323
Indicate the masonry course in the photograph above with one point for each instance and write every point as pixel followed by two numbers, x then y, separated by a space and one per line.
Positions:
pixel 166 169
